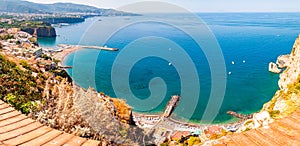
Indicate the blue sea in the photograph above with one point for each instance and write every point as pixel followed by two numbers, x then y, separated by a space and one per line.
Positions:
pixel 160 56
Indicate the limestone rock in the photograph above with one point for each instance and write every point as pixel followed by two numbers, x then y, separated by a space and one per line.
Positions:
pixel 287 99
pixel 273 68
pixel 283 61
pixel 41 32
pixel 262 119
pixel 290 75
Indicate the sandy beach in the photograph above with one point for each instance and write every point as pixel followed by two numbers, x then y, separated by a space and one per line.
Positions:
pixel 63 54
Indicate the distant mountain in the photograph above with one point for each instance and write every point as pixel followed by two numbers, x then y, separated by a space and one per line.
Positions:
pixel 18 6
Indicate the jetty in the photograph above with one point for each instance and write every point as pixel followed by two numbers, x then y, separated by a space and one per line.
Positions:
pixel 171 106
pixel 240 116
pixel 149 121
pixel 67 46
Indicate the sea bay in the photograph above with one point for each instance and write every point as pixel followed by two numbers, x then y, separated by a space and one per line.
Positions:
pixel 248 41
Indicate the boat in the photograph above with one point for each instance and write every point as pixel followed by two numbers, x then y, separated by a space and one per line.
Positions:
pixel 64 24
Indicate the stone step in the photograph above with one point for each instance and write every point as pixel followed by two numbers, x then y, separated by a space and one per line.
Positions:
pixel 19 131
pixel 28 136
pixel 60 140
pixel 12 120
pixel 43 139
pixel 260 138
pixel 242 140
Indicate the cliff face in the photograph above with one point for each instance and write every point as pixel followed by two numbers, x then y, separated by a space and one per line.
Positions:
pixel 290 75
pixel 41 31
pixel 287 99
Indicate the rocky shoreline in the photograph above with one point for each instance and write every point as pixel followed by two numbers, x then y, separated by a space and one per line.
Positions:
pixel 287 99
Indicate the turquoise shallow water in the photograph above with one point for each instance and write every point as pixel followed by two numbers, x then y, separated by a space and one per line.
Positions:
pixel 250 40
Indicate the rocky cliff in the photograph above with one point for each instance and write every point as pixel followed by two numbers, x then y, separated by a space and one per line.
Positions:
pixel 41 31
pixel 287 99
pixel 292 64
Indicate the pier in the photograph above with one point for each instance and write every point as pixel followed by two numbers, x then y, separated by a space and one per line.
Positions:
pixel 67 46
pixel 240 116
pixel 171 106
pixel 100 48
pixel 149 121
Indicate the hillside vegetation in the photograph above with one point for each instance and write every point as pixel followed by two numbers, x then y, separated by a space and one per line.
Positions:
pixel 18 6
pixel 59 104
pixel 19 87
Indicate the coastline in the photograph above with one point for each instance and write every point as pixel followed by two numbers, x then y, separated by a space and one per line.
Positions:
pixel 74 41
pixel 62 56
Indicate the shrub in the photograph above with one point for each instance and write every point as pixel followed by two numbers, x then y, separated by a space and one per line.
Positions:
pixel 46 57
pixel 274 114
pixel 20 88
pixel 25 64
pixel 7 36
pixel 194 141
pixel 56 61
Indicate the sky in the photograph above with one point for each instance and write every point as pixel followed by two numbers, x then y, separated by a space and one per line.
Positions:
pixel 202 5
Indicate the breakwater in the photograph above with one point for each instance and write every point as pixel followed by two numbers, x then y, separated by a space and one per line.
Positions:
pixel 67 46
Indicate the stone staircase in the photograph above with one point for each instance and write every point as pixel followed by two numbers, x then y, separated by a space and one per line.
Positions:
pixel 18 129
